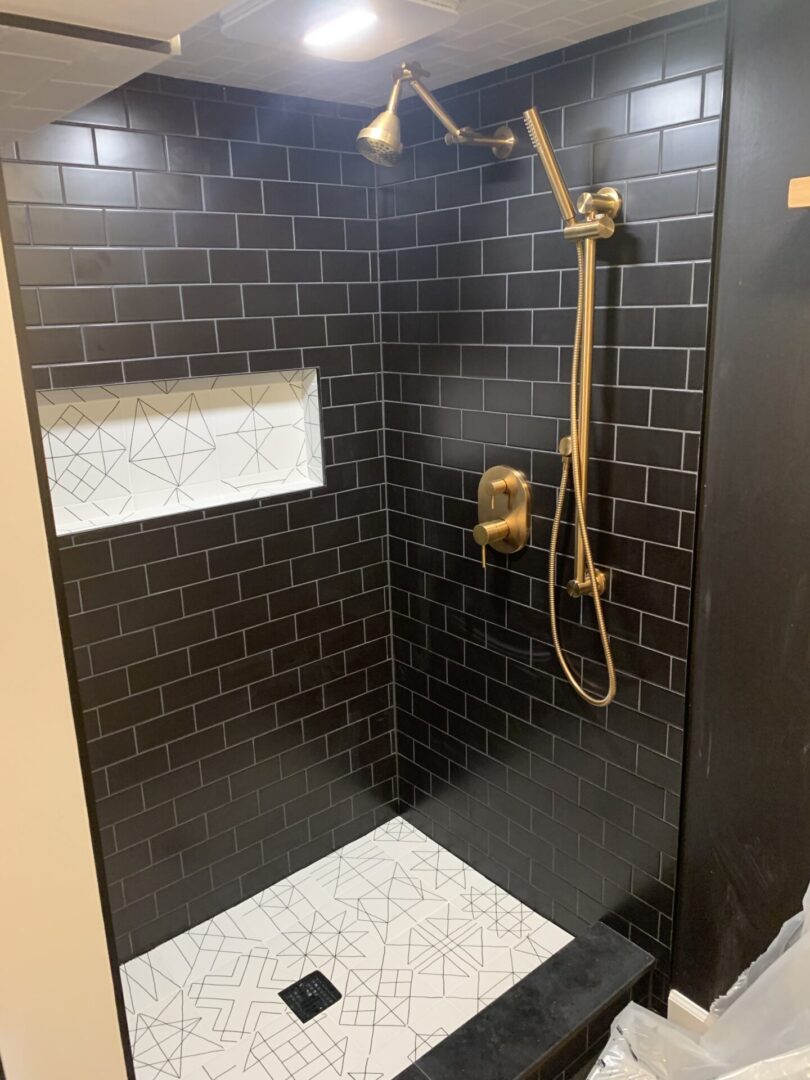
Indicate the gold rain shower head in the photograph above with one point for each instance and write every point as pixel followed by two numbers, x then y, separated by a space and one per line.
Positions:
pixel 381 140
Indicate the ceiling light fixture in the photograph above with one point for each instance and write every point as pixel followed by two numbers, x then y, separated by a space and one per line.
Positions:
pixel 350 31
pixel 345 26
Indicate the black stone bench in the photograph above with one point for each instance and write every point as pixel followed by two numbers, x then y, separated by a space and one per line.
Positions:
pixel 553 1021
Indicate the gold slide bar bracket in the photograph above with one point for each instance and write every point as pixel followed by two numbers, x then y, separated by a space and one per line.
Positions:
pixel 599 210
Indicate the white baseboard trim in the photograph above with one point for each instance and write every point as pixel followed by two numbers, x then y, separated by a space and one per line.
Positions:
pixel 684 1012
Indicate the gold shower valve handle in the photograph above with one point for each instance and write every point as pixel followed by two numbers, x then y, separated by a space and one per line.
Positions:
pixel 497 487
pixel 488 532
pixel 485 532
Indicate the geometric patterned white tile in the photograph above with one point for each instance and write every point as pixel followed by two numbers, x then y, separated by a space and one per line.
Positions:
pixel 372 882
pixel 127 452
pixel 333 942
pixel 269 913
pixel 241 995
pixel 150 979
pixel 170 1040
pixel 541 943
pixel 284 1049
pixel 502 914
pixel 416 942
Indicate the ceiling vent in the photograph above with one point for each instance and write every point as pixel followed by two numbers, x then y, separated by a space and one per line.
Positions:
pixel 347 30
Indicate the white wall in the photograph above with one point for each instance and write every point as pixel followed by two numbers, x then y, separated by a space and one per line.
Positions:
pixel 57 1009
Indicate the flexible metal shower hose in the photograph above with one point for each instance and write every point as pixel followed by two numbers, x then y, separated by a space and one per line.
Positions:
pixel 572 463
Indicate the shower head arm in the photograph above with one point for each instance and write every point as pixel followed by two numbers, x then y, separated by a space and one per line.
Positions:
pixel 502 142
pixel 396 94
pixel 444 118
pixel 380 140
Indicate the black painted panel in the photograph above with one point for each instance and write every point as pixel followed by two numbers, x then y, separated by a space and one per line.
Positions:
pixel 746 828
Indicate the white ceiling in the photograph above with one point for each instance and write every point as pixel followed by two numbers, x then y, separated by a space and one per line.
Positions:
pixel 160 19
pixel 45 74
pixel 489 34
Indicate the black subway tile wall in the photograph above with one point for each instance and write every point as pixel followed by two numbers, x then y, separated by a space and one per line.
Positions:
pixel 234 663
pixel 571 808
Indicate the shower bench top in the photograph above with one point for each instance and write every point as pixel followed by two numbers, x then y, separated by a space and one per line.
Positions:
pixel 550 1022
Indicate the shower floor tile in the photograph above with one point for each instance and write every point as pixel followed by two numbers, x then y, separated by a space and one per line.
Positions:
pixel 416 941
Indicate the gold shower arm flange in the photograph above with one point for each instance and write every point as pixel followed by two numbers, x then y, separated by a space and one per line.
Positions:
pixel 502 142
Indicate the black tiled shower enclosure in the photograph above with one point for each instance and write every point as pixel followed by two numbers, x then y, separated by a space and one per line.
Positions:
pixel 242 710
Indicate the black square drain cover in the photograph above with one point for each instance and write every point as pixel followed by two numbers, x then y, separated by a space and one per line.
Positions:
pixel 310 995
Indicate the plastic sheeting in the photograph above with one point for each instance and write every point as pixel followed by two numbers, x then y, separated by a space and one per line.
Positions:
pixel 760 1029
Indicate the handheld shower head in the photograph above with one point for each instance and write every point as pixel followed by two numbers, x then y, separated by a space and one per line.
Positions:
pixel 380 142
pixel 542 144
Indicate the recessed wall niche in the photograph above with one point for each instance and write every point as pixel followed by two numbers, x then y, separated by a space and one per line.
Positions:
pixel 127 452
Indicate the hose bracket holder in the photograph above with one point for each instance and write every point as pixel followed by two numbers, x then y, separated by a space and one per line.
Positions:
pixel 585 588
